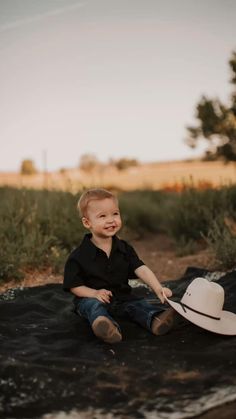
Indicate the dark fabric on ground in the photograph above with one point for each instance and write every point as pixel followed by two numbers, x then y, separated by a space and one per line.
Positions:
pixel 50 361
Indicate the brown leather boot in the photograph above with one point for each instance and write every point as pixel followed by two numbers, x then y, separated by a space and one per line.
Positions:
pixel 104 329
pixel 162 323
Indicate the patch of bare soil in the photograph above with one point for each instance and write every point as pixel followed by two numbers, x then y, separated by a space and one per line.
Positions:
pixel 157 251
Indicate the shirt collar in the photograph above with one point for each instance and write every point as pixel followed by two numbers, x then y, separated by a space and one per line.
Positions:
pixel 87 247
pixel 118 244
pixel 90 250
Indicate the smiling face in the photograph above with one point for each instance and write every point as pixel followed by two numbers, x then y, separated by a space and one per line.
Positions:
pixel 103 217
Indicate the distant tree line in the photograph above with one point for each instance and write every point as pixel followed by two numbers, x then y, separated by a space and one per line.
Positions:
pixel 88 163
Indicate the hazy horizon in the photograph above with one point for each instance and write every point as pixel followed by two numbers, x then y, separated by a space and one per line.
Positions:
pixel 106 163
pixel 110 78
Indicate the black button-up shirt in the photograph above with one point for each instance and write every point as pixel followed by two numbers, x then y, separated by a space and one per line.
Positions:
pixel 88 265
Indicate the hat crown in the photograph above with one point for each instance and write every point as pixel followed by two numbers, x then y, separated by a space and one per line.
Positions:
pixel 205 297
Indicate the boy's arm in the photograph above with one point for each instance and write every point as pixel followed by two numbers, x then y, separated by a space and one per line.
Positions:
pixel 147 276
pixel 102 295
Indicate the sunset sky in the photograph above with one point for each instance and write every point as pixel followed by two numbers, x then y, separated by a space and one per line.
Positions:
pixel 115 78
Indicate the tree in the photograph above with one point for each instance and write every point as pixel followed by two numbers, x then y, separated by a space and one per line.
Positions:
pixel 124 163
pixel 88 162
pixel 28 167
pixel 216 123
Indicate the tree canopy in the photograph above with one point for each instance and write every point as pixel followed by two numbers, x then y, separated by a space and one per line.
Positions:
pixel 217 123
pixel 88 162
pixel 28 167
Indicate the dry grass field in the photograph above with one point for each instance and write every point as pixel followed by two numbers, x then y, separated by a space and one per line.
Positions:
pixel 169 175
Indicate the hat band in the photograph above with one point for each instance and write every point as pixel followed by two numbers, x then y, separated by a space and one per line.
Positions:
pixel 198 312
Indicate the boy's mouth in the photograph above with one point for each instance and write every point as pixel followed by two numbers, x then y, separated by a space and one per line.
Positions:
pixel 110 228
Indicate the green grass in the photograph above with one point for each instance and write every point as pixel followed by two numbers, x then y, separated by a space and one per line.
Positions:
pixel 223 244
pixel 39 228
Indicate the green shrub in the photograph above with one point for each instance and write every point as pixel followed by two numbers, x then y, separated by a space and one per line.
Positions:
pixel 37 229
pixel 141 211
pixel 192 213
pixel 223 244
pixel 185 247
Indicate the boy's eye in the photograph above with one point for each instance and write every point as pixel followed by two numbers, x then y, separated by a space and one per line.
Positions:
pixel 116 213
pixel 102 216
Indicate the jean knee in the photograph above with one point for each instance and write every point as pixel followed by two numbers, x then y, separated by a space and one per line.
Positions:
pixel 88 304
pixel 141 312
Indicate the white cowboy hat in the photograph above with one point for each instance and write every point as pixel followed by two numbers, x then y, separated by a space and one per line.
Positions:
pixel 202 305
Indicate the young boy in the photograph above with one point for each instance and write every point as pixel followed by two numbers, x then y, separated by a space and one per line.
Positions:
pixel 97 273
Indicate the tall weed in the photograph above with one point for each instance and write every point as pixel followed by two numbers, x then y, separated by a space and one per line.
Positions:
pixel 222 241
pixel 192 213
pixel 37 228
pixel 144 211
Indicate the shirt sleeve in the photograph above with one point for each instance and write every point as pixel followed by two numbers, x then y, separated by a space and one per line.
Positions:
pixel 134 261
pixel 73 275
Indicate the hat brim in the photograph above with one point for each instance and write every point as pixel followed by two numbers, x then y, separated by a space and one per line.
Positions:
pixel 225 326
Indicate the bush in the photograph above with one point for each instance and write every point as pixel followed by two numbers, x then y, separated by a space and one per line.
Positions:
pixel 223 244
pixel 185 247
pixel 143 211
pixel 192 213
pixel 28 167
pixel 125 163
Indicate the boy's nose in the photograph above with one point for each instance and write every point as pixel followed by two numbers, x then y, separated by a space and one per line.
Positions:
pixel 110 220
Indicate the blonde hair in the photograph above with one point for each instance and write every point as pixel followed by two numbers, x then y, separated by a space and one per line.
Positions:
pixel 92 195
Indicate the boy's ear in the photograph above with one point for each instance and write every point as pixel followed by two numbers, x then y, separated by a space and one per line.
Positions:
pixel 85 222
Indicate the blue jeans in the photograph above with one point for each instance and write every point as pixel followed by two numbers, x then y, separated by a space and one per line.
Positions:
pixel 138 310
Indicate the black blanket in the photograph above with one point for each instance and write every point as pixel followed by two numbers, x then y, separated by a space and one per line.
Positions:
pixel 50 361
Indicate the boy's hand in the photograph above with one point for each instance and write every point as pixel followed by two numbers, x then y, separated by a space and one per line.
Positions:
pixel 166 291
pixel 103 295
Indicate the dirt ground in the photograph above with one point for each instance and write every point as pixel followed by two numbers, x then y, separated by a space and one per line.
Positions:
pixel 157 251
